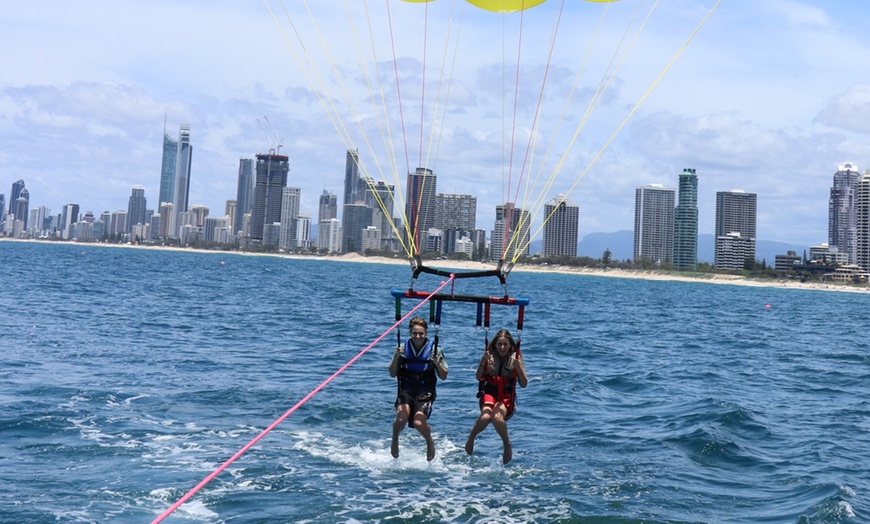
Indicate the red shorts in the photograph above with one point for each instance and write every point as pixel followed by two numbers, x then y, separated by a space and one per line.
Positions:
pixel 507 400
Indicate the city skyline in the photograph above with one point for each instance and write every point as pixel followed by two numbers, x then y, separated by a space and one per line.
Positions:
pixel 767 98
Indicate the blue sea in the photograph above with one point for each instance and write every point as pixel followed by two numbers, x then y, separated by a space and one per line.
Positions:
pixel 128 375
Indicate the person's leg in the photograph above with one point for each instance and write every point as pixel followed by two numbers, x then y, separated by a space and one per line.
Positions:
pixel 403 410
pixel 499 423
pixel 422 426
pixel 479 425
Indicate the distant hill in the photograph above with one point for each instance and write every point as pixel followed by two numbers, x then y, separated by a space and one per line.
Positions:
pixel 621 246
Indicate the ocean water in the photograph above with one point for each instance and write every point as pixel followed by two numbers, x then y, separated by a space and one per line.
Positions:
pixel 129 375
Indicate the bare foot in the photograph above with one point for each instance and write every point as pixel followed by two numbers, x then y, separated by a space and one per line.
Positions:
pixel 508 454
pixel 430 450
pixel 469 446
pixel 394 448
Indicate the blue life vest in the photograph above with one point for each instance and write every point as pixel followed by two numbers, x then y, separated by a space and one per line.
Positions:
pixel 416 370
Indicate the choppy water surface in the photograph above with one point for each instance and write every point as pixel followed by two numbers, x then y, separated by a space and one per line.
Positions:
pixel 129 375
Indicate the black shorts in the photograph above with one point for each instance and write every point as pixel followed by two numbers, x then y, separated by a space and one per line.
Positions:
pixel 420 403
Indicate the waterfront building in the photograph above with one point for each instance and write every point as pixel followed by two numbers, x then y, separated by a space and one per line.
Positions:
pixel 561 227
pixel 244 193
pixel 166 214
pixel 371 239
pixel 118 223
pixel 828 254
pixel 455 211
pixel 733 250
pixel 328 207
pixel 271 179
pixel 352 180
pixel 654 224
pixel 355 218
pixel 183 162
pixel 510 232
pixel 69 216
pixel 199 211
pixel 862 221
pixel 735 213
pixel 15 194
pixel 136 208
pixel 380 197
pixel 686 222
pixel 420 206
pixel 230 212
pixel 842 229
pixel 329 235
pixel 786 262
pixel 289 211
pixel 303 231
pixel 2 211
pixel 167 168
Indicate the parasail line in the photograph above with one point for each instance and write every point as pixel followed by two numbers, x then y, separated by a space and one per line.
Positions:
pixel 289 412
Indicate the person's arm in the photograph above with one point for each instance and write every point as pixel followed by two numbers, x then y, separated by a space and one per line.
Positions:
pixel 394 364
pixel 520 370
pixel 481 367
pixel 440 364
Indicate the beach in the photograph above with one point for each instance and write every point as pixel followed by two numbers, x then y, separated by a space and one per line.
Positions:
pixel 709 278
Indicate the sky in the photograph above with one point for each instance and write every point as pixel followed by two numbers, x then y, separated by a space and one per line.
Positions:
pixel 768 97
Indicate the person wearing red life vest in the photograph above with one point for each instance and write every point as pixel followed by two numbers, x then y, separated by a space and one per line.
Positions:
pixel 418 365
pixel 500 369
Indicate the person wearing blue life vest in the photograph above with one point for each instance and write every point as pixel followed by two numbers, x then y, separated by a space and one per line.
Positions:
pixel 418 365
pixel 499 372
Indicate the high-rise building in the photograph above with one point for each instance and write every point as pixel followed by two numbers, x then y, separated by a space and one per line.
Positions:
pixel 230 213
pixel 328 208
pixel 686 222
pixel 352 178
pixel 329 235
pixel 842 232
pixel 862 221
pixel 136 208
pixel 735 213
pixel 454 211
pixel 420 205
pixel 244 192
pixel 510 233
pixel 166 214
pixel 380 197
pixel 68 217
pixel 289 212
pixel 271 178
pixel 303 231
pixel 20 207
pixel 17 187
pixel 167 169
pixel 355 219
pixel 183 160
pixel 561 227
pixel 654 224
pixel 2 211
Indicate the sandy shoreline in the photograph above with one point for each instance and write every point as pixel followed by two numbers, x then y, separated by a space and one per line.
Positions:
pixel 708 278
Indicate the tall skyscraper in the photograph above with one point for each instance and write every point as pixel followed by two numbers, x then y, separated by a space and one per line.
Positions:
pixel 352 178
pixel 561 227
pixel 420 205
pixel 842 231
pixel 68 217
pixel 167 169
pixel 289 213
pixel 862 221
pixel 510 233
pixel 455 211
pixel 735 228
pixel 686 223
pixel 17 187
pixel 328 208
pixel 136 208
pixel 20 207
pixel 654 224
pixel 183 160
pixel 244 192
pixel 2 211
pixel 271 178
pixel 355 219
pixel 380 197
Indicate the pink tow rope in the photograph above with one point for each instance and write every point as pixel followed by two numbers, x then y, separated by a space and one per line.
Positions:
pixel 290 411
